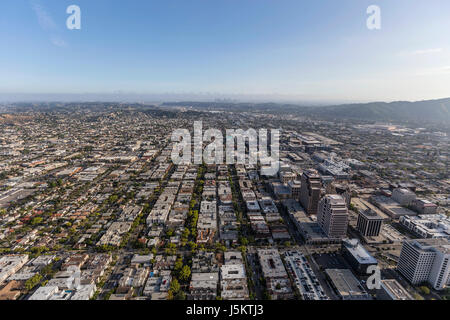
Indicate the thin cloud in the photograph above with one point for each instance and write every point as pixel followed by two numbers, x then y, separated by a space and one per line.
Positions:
pixel 45 20
pixel 427 51
pixel 58 42
pixel 47 23
pixel 434 71
pixel 420 52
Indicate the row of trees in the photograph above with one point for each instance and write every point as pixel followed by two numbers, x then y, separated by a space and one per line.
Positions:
pixel 175 292
pixel 181 270
pixel 33 282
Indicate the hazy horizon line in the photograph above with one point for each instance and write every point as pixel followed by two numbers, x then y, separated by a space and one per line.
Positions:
pixel 155 98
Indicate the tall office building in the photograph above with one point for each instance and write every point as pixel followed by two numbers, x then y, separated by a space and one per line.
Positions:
pixel 426 260
pixel 369 223
pixel 310 191
pixel 295 187
pixel 332 216
pixel 345 192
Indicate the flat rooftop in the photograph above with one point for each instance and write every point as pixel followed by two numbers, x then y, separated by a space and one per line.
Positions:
pixel 345 283
pixel 395 290
pixel 358 251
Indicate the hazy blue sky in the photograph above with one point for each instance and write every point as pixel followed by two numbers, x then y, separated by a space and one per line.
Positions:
pixel 317 49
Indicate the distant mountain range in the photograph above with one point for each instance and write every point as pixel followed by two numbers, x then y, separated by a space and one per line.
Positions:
pixel 399 111
pixel 429 110
pixel 426 112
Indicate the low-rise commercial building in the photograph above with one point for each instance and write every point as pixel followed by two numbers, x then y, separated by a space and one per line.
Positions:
pixel 403 196
pixel 428 226
pixel 346 285
pixel 357 256
pixel 392 290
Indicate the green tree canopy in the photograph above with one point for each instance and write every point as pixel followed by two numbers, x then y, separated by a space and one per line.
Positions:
pixel 175 286
pixel 185 273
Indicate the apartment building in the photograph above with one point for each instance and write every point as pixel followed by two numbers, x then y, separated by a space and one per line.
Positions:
pixel 274 273
pixel 233 279
pixel 11 264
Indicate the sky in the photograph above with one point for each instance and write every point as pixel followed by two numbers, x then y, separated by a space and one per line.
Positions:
pixel 293 50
